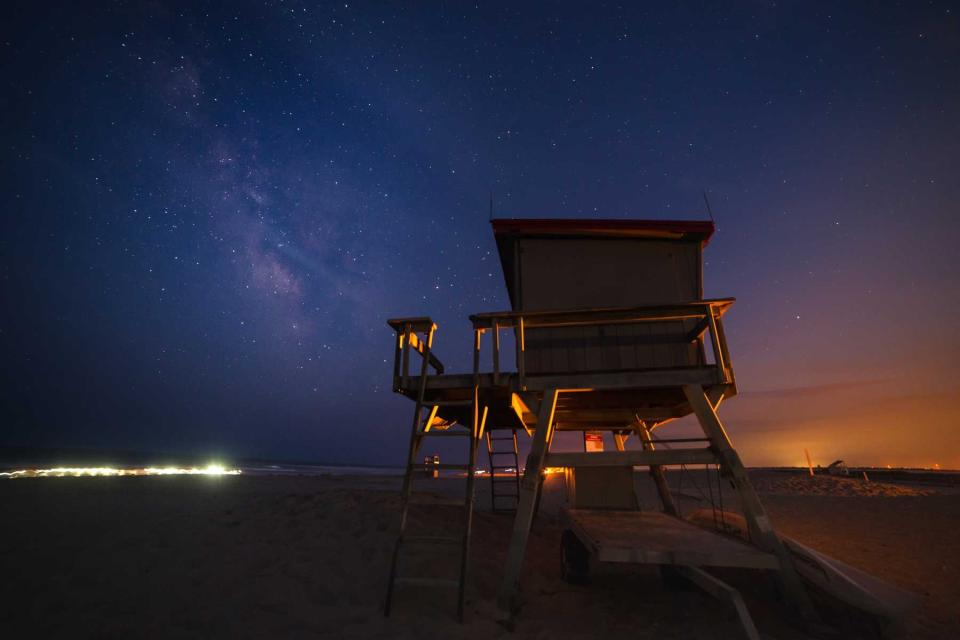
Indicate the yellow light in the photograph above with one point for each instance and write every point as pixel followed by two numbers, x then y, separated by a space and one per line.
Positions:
pixel 62 472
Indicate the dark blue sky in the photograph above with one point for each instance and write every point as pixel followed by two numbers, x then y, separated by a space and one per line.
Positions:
pixel 209 209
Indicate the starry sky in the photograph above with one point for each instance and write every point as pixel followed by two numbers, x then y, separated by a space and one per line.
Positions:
pixel 209 209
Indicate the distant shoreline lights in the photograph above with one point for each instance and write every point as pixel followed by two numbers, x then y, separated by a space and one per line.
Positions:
pixel 84 472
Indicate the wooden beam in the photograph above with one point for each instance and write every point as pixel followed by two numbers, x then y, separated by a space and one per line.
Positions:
pixel 618 315
pixel 529 490
pixel 620 440
pixel 698 330
pixel 631 458
pixel 758 523
pixel 731 377
pixel 417 344
pixel 656 472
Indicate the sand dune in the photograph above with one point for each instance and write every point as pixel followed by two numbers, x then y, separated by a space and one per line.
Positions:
pixel 824 485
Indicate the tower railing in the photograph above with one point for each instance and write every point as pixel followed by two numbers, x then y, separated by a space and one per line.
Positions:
pixel 706 317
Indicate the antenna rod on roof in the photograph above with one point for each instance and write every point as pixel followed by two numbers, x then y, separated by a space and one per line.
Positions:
pixel 707 202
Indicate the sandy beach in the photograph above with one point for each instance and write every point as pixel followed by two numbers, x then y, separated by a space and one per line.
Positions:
pixel 300 556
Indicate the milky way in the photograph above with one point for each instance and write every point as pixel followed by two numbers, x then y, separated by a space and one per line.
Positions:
pixel 210 210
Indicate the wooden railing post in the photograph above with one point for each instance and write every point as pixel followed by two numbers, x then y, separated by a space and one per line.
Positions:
pixel 496 352
pixel 397 354
pixel 521 357
pixel 476 355
pixel 406 354
pixel 717 350
pixel 722 338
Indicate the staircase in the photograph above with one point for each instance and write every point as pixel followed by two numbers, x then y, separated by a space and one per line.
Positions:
pixel 432 424
pixel 504 460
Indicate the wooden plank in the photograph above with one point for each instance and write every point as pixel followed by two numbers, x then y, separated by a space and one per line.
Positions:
pixel 652 378
pixel 626 346
pixel 649 537
pixel 631 458
pixel 421 324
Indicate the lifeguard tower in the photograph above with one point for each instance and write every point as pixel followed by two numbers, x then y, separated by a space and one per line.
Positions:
pixel 612 333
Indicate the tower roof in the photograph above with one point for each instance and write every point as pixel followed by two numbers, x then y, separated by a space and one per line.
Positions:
pixel 507 231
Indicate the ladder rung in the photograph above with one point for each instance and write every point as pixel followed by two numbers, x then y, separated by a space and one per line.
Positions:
pixel 509 438
pixel 449 403
pixel 427 582
pixel 433 539
pixel 502 453
pixel 496 480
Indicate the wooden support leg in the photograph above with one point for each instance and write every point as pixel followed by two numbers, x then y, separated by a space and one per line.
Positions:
pixel 620 440
pixel 758 523
pixel 529 492
pixel 656 472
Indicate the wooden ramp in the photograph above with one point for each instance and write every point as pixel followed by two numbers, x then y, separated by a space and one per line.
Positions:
pixel 645 537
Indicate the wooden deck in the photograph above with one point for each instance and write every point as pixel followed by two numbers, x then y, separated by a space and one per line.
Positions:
pixel 655 538
pixel 593 405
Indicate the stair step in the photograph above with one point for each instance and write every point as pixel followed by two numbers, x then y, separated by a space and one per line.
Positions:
pixel 427 582
pixel 433 539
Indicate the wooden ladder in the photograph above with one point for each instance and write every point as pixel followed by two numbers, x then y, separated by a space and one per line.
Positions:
pixel 505 488
pixel 422 428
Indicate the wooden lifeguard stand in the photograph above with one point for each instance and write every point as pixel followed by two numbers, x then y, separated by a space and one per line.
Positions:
pixel 612 333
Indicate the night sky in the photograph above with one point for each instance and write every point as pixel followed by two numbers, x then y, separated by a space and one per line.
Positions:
pixel 210 209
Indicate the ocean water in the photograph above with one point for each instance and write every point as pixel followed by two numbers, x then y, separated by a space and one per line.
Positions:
pixel 287 469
